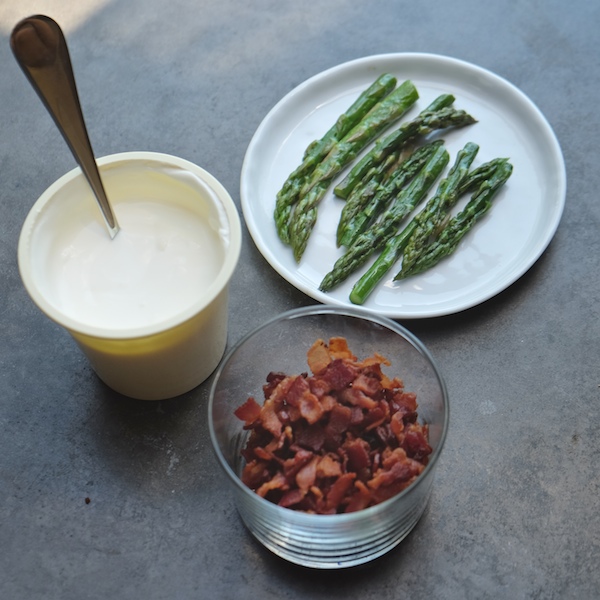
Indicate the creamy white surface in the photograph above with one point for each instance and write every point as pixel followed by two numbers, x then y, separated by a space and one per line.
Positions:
pixel 160 263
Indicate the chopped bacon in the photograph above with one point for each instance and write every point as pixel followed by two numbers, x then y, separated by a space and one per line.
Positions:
pixel 415 442
pixel 273 380
pixel 310 408
pixel 299 396
pixel 397 472
pixel 318 357
pixel 311 437
pixel 319 387
pixel 357 398
pixel 339 374
pixel 307 475
pixel 339 421
pixel 339 489
pixel 377 416
pixel 329 467
pixel 338 348
pixel 397 426
pixel 298 387
pixel 263 453
pixel 329 403
pixel 357 452
pixel 269 419
pixel 405 402
pixel 254 473
pixel 376 360
pixel 367 384
pixel 248 412
pixel 361 498
pixel 292 497
pixel 357 416
pixel 292 465
pixel 278 482
pixel 339 440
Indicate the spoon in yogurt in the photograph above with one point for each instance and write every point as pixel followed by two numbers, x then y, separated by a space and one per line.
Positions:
pixel 41 50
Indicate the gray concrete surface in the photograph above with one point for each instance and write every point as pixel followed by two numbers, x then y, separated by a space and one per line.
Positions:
pixel 515 511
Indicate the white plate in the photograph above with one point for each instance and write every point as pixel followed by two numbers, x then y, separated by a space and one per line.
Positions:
pixel 492 256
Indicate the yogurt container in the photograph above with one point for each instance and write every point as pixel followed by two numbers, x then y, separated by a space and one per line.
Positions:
pixel 149 308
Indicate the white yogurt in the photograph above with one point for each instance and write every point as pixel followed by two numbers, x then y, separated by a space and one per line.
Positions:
pixel 159 264
pixel 171 248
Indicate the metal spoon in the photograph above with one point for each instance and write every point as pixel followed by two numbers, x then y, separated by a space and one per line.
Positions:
pixel 40 48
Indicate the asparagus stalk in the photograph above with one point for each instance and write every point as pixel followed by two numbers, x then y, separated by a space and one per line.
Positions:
pixel 376 204
pixel 363 193
pixel 304 215
pixel 384 262
pixel 384 146
pixel 397 245
pixel 379 160
pixel 438 115
pixel 437 207
pixel 375 237
pixel 317 150
pixel 461 224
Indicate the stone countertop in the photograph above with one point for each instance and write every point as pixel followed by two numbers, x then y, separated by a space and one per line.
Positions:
pixel 106 497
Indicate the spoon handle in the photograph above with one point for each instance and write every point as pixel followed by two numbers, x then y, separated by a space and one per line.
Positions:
pixel 41 50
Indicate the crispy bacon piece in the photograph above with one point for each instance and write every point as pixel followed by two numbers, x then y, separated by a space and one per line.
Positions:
pixel 415 442
pixel 292 497
pixel 318 357
pixel 255 473
pixel 397 427
pixel 338 348
pixel 339 420
pixel 361 498
pixel 269 418
pixel 300 397
pixel 292 465
pixel 377 416
pixel 329 467
pixel 311 437
pixel 329 403
pixel 307 475
pixel 339 374
pixel 278 482
pixel 359 461
pixel 273 380
pixel 319 387
pixel 248 412
pixel 355 397
pixel 367 383
pixel 339 440
pixel 338 490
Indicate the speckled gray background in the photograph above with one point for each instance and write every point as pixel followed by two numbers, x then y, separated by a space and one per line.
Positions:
pixel 515 511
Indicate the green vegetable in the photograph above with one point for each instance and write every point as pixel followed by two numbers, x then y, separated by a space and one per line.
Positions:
pixel 304 215
pixel 375 205
pixel 374 238
pixel 363 193
pixel 317 150
pixel 439 115
pixel 419 227
pixel 371 170
pixel 385 261
pixel 461 224
pixel 436 209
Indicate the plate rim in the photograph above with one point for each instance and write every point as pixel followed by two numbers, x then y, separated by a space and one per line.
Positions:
pixel 541 245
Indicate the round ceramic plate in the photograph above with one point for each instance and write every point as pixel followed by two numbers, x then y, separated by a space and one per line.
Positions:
pixel 503 245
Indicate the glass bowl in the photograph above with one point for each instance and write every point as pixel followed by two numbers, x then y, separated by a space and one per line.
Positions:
pixel 325 541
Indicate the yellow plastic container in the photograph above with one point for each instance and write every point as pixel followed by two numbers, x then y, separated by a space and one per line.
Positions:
pixel 167 356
